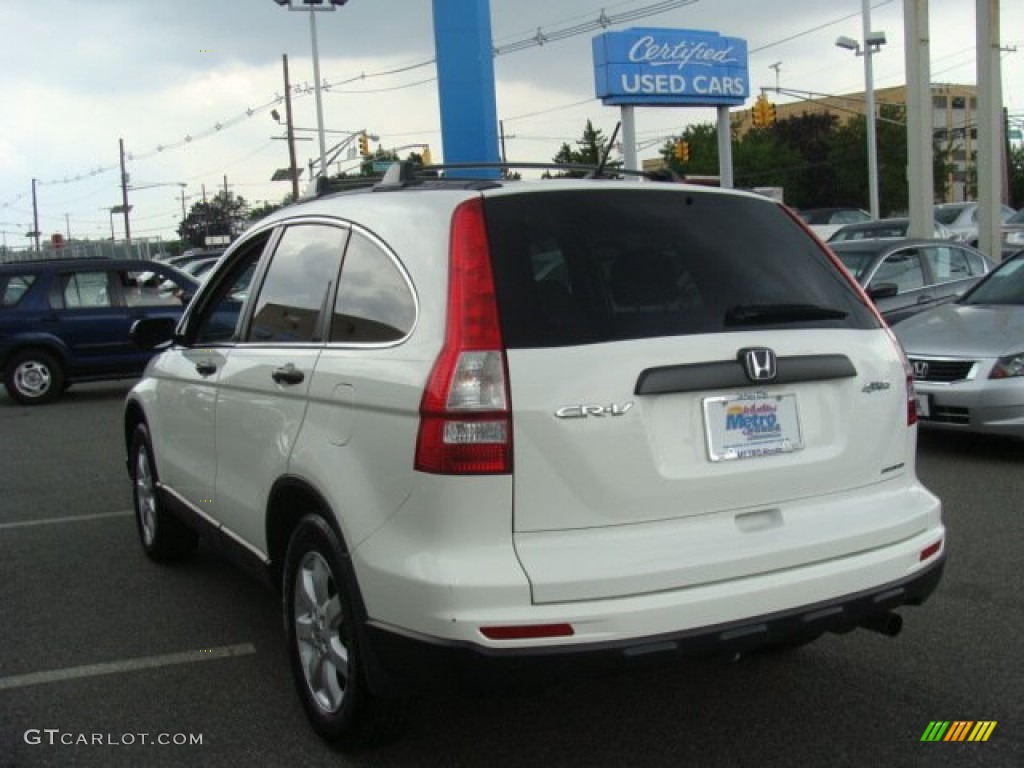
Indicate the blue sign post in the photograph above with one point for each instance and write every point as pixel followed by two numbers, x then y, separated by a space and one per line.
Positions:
pixel 465 83
pixel 670 68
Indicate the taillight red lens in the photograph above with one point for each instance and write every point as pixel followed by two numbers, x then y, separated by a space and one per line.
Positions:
pixel 465 418
pixel 527 632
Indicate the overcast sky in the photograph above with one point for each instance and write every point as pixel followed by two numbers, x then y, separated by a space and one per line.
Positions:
pixel 189 86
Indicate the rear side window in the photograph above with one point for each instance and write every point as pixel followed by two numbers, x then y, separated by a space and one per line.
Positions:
pixel 581 266
pixel 84 290
pixel 13 288
pixel 374 303
pixel 947 263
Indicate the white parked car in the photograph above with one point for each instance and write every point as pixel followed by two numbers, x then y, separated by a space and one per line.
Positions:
pixel 962 219
pixel 483 430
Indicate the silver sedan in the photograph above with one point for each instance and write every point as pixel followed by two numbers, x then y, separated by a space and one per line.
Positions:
pixel 968 356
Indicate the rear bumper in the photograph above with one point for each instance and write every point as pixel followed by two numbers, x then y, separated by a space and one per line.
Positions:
pixel 402 662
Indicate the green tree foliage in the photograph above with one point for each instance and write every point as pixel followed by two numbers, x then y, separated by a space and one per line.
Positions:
pixel 703 141
pixel 262 211
pixel 1016 162
pixel 809 136
pixel 224 214
pixel 591 147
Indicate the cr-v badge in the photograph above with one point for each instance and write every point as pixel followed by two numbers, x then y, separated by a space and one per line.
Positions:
pixel 582 411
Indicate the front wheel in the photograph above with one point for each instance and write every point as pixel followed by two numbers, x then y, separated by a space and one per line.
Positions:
pixel 164 537
pixel 33 377
pixel 326 660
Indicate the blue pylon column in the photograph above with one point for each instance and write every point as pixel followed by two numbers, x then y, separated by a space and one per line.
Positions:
pixel 465 79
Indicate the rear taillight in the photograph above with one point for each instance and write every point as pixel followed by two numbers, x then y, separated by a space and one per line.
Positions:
pixel 465 417
pixel 908 375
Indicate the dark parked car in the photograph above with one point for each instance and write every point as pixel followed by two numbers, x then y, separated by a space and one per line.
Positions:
pixel 68 320
pixel 904 277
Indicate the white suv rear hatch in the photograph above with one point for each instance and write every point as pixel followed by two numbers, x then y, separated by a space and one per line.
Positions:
pixel 645 457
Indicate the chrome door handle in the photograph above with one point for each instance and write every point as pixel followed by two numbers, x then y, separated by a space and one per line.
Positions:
pixel 288 374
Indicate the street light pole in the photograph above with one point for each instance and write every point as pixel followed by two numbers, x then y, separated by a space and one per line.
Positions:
pixel 869 107
pixel 872 43
pixel 314 6
pixel 317 91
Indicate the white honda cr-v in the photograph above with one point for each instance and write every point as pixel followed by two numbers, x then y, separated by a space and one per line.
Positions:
pixel 480 431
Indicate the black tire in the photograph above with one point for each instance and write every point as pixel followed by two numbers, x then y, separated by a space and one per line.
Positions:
pixel 164 537
pixel 34 377
pixel 323 648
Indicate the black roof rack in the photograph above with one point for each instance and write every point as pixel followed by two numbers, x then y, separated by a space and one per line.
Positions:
pixel 405 174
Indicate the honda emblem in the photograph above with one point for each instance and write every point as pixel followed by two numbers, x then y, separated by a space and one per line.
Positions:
pixel 759 363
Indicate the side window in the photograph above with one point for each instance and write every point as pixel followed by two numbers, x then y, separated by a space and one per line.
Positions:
pixel 975 263
pixel 302 273
pixel 902 268
pixel 374 304
pixel 220 314
pixel 13 288
pixel 153 289
pixel 947 263
pixel 84 290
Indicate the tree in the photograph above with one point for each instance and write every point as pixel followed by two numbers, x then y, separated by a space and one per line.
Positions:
pixel 1016 162
pixel 813 182
pixel 223 215
pixel 264 210
pixel 703 141
pixel 592 147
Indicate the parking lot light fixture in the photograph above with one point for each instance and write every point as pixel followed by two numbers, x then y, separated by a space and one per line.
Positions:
pixel 312 6
pixel 873 42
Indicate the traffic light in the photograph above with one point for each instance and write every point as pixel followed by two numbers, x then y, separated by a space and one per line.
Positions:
pixel 763 112
pixel 682 151
pixel 364 144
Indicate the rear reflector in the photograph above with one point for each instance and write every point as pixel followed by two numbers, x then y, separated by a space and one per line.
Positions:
pixel 527 632
pixel 929 551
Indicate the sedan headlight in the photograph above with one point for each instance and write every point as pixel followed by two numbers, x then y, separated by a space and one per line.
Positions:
pixel 1008 367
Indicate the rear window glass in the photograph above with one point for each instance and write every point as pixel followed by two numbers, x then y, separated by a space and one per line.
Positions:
pixel 579 267
pixel 13 288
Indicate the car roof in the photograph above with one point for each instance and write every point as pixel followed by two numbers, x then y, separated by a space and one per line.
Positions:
pixel 459 189
pixel 133 265
pixel 885 244
pixel 98 262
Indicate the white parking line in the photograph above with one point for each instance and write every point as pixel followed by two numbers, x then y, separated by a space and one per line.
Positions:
pixel 65 519
pixel 128 665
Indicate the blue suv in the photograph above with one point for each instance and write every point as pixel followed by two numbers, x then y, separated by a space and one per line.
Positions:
pixel 68 320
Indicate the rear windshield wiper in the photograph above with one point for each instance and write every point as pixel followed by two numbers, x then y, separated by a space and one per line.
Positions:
pixel 758 314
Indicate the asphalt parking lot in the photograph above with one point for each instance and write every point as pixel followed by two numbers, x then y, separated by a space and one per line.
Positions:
pixel 107 659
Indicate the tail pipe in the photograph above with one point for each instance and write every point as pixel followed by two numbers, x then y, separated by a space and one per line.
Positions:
pixel 888 624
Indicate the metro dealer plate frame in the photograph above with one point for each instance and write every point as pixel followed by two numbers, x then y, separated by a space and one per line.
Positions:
pixel 751 426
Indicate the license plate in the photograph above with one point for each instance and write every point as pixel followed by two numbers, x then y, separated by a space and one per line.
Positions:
pixel 924 406
pixel 750 426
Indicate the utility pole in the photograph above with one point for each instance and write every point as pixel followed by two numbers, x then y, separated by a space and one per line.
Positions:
pixel 124 201
pixel 67 222
pixel 293 168
pixel 183 215
pixel 35 216
pixel 226 193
